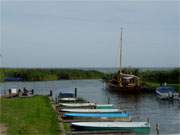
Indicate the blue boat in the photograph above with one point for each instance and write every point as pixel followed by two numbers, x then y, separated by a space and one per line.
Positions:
pixel 165 92
pixel 14 79
pixel 66 95
pixel 97 115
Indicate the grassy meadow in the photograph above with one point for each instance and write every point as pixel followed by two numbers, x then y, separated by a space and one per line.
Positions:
pixel 33 115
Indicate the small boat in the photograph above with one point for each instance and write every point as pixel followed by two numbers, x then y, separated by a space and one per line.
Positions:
pixel 91 110
pixel 104 106
pixel 66 95
pixel 77 105
pixel 87 105
pixel 138 127
pixel 97 115
pixel 68 99
pixel 166 92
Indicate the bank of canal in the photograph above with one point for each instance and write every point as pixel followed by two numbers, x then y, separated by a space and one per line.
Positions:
pixel 32 115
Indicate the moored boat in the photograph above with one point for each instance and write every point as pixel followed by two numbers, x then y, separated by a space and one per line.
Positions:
pixel 66 95
pixel 97 115
pixel 86 105
pixel 166 92
pixel 77 105
pixel 70 99
pixel 91 110
pixel 104 106
pixel 123 82
pixel 138 127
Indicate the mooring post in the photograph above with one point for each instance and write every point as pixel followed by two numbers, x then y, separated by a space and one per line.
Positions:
pixel 75 92
pixel 9 91
pixel 148 120
pixel 108 99
pixel 51 93
pixel 32 91
pixel 56 100
pixel 157 129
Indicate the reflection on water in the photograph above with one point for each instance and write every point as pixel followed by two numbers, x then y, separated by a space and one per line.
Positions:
pixel 142 106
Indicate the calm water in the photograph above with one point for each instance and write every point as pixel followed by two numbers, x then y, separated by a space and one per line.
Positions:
pixel 144 106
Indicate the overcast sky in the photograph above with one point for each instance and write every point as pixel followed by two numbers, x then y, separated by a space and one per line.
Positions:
pixel 86 34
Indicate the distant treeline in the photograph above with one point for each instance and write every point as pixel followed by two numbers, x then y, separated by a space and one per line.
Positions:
pixel 158 76
pixel 49 74
pixel 37 74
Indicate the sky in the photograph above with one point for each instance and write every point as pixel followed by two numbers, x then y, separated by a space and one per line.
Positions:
pixel 59 34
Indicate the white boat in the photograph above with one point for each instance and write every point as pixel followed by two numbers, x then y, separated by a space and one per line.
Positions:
pixel 68 99
pixel 91 110
pixel 143 127
pixel 77 104
pixel 104 106
pixel 165 92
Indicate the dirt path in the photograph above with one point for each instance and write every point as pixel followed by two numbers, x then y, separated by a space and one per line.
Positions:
pixel 3 129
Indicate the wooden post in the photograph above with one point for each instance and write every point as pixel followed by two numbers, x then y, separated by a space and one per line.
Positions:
pixel 108 99
pixel 32 91
pixel 75 92
pixel 9 91
pixel 51 93
pixel 56 100
pixel 148 120
pixel 157 129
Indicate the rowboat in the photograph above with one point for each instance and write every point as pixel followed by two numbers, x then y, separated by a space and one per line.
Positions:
pixel 77 105
pixel 79 117
pixel 104 106
pixel 72 110
pixel 97 115
pixel 91 105
pixel 138 127
pixel 68 99
pixel 66 95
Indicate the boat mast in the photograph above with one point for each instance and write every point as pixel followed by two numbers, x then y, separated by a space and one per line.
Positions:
pixel 120 68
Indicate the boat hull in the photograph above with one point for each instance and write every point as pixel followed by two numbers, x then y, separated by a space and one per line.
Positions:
pixel 144 129
pixel 135 89
pixel 165 93
pixel 91 110
pixel 86 105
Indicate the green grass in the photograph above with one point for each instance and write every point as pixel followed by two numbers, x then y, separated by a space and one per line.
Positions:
pixel 67 127
pixel 154 85
pixel 29 116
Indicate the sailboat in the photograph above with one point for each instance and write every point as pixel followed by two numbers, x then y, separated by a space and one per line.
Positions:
pixel 124 82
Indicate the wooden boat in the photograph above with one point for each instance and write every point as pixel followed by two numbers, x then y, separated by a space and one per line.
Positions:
pixel 165 92
pixel 72 110
pixel 138 127
pixel 124 82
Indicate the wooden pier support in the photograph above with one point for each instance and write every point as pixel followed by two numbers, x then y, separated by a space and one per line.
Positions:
pixel 75 92
pixel 109 99
pixel 157 129
pixel 50 93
